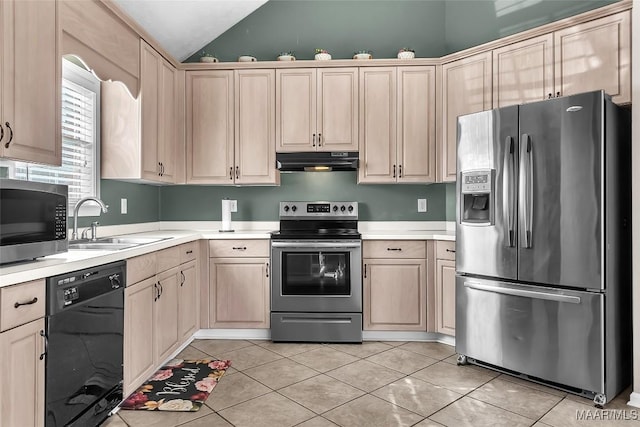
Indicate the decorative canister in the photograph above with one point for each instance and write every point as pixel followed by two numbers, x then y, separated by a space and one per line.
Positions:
pixel 362 54
pixel 406 53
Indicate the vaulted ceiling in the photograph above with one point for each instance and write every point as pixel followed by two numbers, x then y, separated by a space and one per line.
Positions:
pixel 184 26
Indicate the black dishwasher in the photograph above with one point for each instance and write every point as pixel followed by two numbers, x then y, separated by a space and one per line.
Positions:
pixel 84 324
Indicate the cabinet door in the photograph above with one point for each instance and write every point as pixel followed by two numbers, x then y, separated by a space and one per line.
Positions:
pixel 187 301
pixel 337 110
pixel 446 296
pixel 167 120
pixel 255 134
pixel 165 315
pixel 149 96
pixel 377 125
pixel 416 124
pixel 395 294
pixel 595 55
pixel 22 387
pixel 30 83
pixel 466 88
pixel 139 325
pixel 210 125
pixel 239 293
pixel 296 110
pixel 523 72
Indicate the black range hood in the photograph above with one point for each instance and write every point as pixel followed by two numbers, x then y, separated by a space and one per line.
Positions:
pixel 317 161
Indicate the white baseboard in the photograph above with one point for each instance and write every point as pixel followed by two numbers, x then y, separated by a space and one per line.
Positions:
pixel 634 399
pixel 234 334
pixel 408 336
pixel 265 334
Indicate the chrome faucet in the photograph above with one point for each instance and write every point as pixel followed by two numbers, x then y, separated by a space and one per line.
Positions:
pixel 74 235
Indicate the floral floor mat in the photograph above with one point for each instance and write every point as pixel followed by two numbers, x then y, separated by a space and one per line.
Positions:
pixel 180 385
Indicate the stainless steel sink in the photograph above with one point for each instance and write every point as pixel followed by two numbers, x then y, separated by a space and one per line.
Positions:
pixel 113 243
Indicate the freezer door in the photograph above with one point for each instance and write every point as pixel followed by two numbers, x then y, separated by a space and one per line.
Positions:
pixel 486 193
pixel 554 335
pixel 560 186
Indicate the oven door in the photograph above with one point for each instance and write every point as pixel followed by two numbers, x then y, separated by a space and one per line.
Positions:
pixel 316 276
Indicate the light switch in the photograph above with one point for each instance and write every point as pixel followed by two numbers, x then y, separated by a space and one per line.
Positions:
pixel 422 205
pixel 234 205
pixel 123 206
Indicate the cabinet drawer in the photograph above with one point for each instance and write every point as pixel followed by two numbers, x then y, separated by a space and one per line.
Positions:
pixel 24 296
pixel 445 250
pixel 394 249
pixel 238 248
pixel 169 258
pixel 141 267
pixel 188 252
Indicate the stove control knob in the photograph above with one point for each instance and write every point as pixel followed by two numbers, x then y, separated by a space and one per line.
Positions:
pixel 335 208
pixel 294 208
pixel 350 208
pixel 286 208
pixel 343 208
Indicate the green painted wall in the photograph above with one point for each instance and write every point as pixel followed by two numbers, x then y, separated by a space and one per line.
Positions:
pixel 450 201
pixel 377 202
pixel 473 22
pixel 142 204
pixel 432 27
pixel 341 27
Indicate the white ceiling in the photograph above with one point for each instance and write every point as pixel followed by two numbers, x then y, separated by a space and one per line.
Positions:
pixel 184 26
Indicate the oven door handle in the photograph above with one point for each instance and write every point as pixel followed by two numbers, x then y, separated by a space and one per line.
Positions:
pixel 323 245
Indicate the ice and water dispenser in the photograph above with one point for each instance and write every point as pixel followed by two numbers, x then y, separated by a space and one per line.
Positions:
pixel 477 197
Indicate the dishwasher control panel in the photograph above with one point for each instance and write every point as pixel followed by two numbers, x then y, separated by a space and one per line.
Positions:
pixel 68 290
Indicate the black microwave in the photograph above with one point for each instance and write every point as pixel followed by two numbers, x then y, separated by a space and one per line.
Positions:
pixel 33 220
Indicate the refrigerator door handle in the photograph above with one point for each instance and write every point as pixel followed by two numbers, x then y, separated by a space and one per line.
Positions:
pixel 526 189
pixel 508 187
pixel 522 293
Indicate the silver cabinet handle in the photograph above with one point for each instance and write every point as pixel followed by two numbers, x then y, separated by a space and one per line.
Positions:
pixel 231 172
pixel 313 143
pixel 319 140
pixel 508 189
pixel 237 172
pixel 46 344
pixel 523 293
pixel 526 190
pixel 182 278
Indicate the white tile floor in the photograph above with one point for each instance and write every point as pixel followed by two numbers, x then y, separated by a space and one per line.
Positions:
pixel 372 384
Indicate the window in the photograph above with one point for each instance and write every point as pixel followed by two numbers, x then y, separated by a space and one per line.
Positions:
pixel 80 169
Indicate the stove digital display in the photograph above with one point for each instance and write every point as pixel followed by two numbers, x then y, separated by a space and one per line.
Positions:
pixel 318 207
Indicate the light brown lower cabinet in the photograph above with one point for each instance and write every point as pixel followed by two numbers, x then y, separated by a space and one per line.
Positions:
pixel 22 388
pixel 445 282
pixel 395 287
pixel 187 301
pixel 239 293
pixel 161 311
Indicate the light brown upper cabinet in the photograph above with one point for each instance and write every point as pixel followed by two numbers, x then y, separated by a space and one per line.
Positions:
pixel 230 127
pixel 523 72
pixel 139 135
pixel 466 88
pixel 317 109
pixel 255 134
pixel 30 75
pixel 397 124
pixel 595 55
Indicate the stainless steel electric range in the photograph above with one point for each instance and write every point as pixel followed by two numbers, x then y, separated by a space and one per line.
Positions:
pixel 316 280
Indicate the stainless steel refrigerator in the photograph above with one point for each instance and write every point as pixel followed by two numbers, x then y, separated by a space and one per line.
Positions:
pixel 543 233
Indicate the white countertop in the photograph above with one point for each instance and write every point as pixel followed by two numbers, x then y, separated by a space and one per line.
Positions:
pixel 79 259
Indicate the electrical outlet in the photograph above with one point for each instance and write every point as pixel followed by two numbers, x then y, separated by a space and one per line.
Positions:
pixel 234 205
pixel 123 206
pixel 422 205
